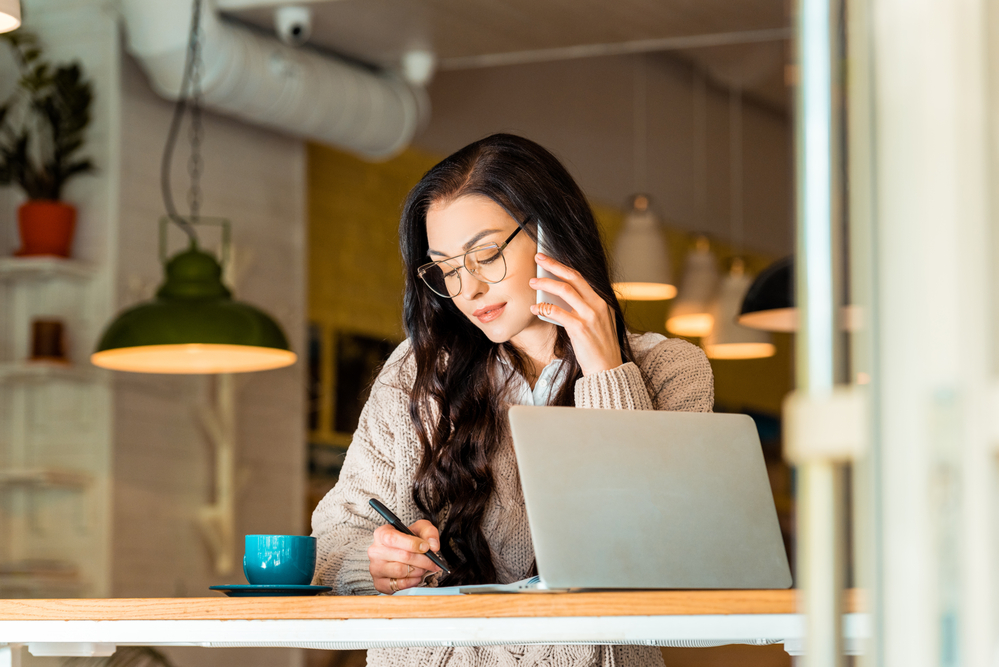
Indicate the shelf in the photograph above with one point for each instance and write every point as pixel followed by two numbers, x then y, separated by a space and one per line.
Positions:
pixel 42 268
pixel 44 477
pixel 13 589
pixel 38 371
pixel 44 568
pixel 39 578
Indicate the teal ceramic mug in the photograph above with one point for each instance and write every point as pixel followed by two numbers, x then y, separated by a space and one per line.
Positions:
pixel 288 560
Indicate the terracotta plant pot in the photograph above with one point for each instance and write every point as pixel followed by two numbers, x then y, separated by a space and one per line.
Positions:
pixel 46 227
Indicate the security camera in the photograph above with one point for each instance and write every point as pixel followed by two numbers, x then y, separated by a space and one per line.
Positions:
pixel 293 24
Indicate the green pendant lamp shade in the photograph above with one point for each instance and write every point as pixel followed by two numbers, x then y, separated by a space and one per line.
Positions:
pixel 193 326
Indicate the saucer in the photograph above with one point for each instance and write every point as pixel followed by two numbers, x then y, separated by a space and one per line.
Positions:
pixel 269 590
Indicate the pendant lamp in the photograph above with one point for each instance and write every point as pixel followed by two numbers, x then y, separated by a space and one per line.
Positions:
pixel 769 301
pixel 640 256
pixel 641 260
pixel 690 314
pixel 10 15
pixel 193 325
pixel 727 339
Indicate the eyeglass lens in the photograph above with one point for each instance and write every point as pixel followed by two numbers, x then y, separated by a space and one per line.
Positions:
pixel 487 264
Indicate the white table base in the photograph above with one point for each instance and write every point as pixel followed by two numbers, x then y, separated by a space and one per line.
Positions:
pixel 92 638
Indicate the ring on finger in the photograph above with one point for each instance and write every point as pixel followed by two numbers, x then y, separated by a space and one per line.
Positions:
pixel 394 585
pixel 410 570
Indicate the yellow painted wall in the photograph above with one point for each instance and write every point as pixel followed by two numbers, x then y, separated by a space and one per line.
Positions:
pixel 355 270
pixel 356 282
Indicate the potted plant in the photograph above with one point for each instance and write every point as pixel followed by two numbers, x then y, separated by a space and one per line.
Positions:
pixel 42 127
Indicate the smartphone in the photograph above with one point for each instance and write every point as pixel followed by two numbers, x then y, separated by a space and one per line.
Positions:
pixel 545 297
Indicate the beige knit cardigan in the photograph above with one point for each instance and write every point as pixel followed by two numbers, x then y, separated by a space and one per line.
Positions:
pixel 669 374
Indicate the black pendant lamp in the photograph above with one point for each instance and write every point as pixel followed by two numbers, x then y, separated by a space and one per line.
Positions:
pixel 193 325
pixel 769 302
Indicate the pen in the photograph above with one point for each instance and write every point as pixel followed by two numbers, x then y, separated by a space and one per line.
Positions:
pixel 396 523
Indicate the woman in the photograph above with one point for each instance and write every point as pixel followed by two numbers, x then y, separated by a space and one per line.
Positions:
pixel 433 442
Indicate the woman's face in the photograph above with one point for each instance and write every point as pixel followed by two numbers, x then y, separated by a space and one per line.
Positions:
pixel 502 310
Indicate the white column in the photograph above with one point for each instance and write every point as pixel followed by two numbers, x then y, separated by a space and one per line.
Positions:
pixel 933 348
pixel 818 358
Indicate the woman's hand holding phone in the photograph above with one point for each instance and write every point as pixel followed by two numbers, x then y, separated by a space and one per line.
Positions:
pixel 399 561
pixel 590 325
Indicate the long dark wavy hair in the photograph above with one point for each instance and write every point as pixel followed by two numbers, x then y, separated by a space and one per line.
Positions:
pixel 457 403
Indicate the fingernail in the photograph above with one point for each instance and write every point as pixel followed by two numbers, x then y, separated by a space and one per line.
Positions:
pixel 424 546
pixel 533 280
pixel 541 257
pixel 434 544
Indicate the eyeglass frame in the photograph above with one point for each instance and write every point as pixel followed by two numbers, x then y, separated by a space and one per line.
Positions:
pixel 420 271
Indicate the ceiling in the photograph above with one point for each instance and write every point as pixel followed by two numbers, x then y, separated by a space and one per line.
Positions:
pixel 381 31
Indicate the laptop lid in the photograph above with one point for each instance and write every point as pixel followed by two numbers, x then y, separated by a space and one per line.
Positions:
pixel 647 499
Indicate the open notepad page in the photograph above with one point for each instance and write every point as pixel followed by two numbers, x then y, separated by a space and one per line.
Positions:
pixel 522 586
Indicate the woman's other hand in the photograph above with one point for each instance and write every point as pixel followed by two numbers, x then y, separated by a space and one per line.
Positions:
pixel 398 561
pixel 590 325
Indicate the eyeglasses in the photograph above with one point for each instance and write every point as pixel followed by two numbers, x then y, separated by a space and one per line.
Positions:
pixel 484 262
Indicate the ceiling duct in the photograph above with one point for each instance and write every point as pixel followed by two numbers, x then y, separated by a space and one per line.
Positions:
pixel 263 81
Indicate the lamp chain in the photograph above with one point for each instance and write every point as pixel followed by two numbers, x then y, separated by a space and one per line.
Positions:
pixel 192 74
pixel 700 134
pixel 735 168
pixel 195 165
pixel 641 131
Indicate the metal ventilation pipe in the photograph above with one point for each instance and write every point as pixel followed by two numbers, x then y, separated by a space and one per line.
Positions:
pixel 265 82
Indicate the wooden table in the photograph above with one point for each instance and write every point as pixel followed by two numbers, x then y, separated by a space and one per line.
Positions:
pixel 658 618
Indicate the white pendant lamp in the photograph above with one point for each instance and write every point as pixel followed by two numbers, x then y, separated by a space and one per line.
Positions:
pixel 690 314
pixel 641 261
pixel 10 15
pixel 727 339
pixel 640 256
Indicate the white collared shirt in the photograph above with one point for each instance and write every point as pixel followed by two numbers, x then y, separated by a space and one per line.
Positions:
pixel 548 384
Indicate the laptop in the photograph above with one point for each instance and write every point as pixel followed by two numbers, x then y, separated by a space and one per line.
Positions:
pixel 642 499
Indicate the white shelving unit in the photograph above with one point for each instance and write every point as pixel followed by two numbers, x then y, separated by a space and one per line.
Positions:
pixel 54 446
pixel 42 268
pixel 43 371
pixel 57 421
pixel 56 478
